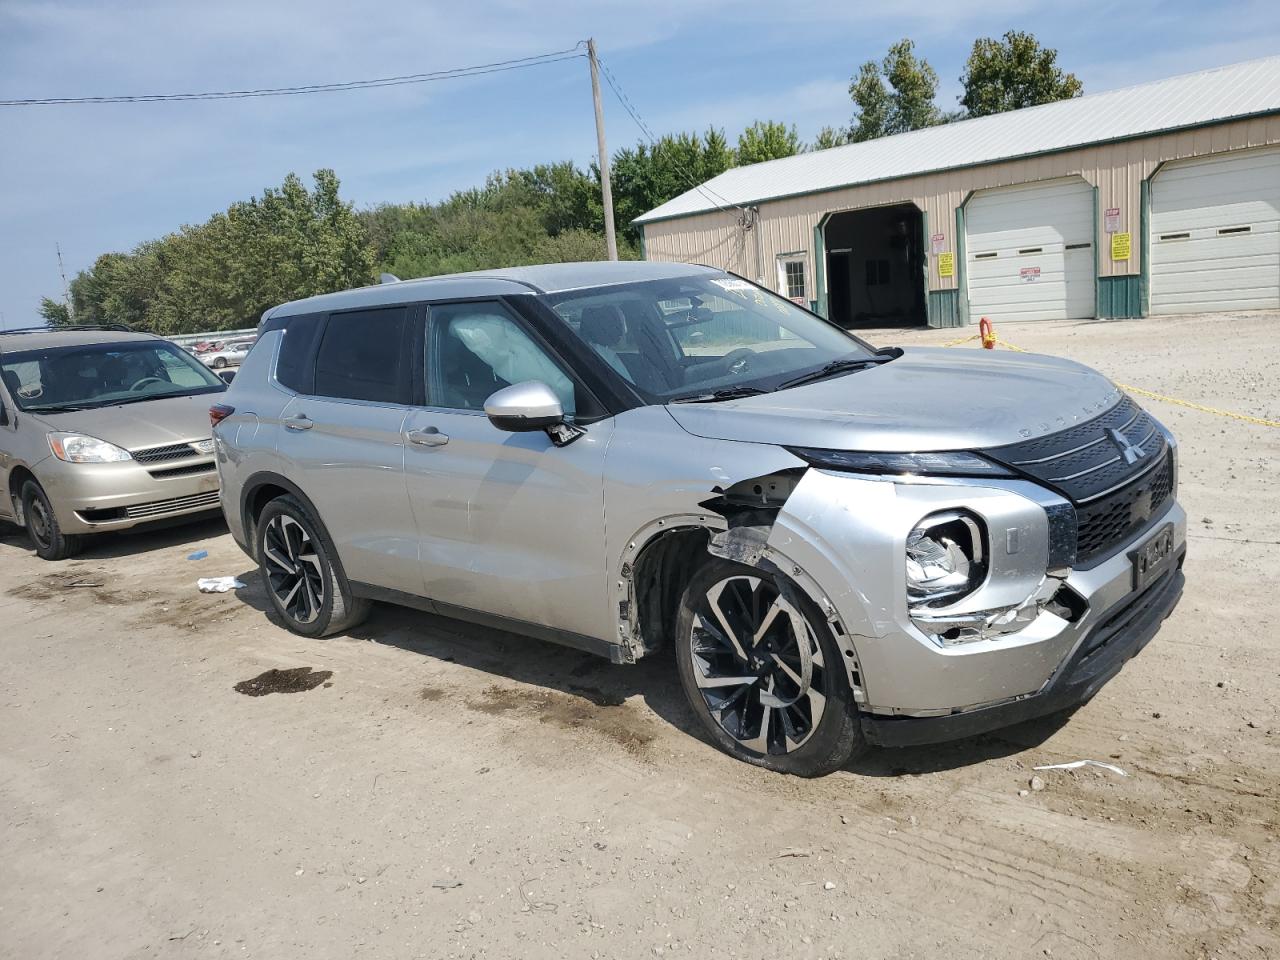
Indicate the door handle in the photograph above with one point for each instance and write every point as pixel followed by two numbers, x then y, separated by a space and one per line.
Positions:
pixel 300 422
pixel 430 437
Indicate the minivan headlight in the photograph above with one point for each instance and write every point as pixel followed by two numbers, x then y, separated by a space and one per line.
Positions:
pixel 77 448
pixel 946 559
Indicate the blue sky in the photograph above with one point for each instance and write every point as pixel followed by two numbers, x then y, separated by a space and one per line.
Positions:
pixel 102 178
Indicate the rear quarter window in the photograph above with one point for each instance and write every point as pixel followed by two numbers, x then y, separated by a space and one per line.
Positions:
pixel 294 368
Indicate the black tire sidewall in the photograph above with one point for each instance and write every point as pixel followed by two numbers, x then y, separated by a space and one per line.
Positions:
pixel 838 736
pixel 291 507
pixel 60 545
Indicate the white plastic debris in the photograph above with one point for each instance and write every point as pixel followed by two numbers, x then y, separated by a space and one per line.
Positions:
pixel 218 584
pixel 1077 764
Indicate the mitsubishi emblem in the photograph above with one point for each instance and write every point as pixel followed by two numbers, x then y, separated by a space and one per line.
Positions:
pixel 1131 452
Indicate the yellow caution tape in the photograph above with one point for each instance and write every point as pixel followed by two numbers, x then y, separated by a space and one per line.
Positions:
pixel 1243 417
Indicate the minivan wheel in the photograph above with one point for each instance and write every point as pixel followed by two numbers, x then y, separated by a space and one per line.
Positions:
pixel 301 572
pixel 763 672
pixel 42 525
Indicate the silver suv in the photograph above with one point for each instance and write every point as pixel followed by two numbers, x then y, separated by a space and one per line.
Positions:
pixel 845 545
pixel 101 429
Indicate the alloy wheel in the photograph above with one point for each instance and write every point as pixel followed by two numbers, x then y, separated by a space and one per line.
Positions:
pixel 758 665
pixel 294 569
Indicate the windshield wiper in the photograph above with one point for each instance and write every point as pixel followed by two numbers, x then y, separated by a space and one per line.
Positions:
pixel 832 368
pixel 57 408
pixel 726 393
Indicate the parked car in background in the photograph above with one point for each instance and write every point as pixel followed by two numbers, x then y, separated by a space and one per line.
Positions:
pixel 101 429
pixel 846 545
pixel 231 353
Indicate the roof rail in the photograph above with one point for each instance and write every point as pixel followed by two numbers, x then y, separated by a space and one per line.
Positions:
pixel 120 327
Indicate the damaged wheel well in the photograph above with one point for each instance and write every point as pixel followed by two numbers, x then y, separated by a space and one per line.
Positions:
pixel 658 579
pixel 17 478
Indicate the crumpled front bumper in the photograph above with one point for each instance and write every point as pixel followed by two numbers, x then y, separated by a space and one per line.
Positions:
pixel 847 534
pixel 1118 635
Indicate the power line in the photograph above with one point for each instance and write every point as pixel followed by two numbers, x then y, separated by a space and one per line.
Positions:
pixel 631 110
pixel 501 66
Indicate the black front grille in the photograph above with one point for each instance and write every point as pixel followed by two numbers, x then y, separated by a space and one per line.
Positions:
pixel 1118 470
pixel 1113 519
pixel 173 451
pixel 1093 459
pixel 189 470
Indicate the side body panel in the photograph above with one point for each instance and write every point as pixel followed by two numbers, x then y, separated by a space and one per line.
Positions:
pixel 511 524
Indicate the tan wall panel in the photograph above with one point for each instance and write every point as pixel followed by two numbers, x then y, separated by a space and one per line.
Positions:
pixel 1117 170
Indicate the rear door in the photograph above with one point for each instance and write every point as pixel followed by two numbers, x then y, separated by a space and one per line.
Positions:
pixel 342 443
pixel 510 524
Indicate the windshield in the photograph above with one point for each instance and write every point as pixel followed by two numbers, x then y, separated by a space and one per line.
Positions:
pixel 696 337
pixel 103 374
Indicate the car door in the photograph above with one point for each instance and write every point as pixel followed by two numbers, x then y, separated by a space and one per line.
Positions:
pixel 342 444
pixel 510 524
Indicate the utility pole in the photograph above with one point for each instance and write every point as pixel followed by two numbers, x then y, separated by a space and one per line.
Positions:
pixel 66 287
pixel 610 238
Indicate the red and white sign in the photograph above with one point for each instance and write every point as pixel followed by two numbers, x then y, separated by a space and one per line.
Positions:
pixel 1029 274
pixel 937 242
pixel 1113 219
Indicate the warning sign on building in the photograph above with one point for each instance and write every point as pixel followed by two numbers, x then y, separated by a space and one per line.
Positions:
pixel 936 242
pixel 946 264
pixel 1113 219
pixel 1120 246
pixel 1029 274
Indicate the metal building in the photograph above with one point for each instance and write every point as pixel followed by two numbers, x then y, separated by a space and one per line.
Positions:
pixel 1157 198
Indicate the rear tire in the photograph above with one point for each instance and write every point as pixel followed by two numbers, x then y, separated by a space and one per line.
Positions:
pixel 219 363
pixel 302 573
pixel 738 651
pixel 43 529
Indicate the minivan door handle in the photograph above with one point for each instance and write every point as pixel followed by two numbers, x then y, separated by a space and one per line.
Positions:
pixel 300 422
pixel 430 437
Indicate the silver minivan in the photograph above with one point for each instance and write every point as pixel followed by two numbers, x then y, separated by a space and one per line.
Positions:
pixel 844 545
pixel 101 429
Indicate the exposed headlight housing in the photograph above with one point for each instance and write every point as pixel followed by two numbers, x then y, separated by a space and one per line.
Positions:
pixel 947 463
pixel 946 559
pixel 78 448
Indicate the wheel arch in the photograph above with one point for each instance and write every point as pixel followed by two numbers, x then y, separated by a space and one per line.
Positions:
pixel 259 490
pixel 18 477
pixel 660 556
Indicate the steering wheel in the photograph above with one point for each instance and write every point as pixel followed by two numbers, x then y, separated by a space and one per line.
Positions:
pixel 145 382
pixel 735 361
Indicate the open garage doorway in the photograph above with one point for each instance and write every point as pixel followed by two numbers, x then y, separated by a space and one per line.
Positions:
pixel 875 267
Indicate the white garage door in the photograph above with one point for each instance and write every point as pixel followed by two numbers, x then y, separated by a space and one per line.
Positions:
pixel 1029 251
pixel 1215 234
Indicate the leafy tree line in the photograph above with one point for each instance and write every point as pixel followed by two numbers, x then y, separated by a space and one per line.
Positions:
pixel 296 241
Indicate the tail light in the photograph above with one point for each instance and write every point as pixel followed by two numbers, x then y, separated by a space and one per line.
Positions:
pixel 219 412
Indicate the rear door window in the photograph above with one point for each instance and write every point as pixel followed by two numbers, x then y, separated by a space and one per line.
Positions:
pixel 361 356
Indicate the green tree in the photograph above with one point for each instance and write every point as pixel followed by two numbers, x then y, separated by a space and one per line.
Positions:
pixel 1013 72
pixel 767 140
pixel 56 313
pixel 829 137
pixel 895 95
pixel 647 176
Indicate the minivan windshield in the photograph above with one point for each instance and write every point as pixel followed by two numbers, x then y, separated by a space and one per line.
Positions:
pixel 707 338
pixel 90 375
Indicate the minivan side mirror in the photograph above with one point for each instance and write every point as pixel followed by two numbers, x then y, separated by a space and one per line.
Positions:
pixel 528 406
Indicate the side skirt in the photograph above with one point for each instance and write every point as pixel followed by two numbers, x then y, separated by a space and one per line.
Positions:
pixel 613 652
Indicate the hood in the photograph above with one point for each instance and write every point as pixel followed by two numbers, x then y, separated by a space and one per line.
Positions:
pixel 152 423
pixel 927 399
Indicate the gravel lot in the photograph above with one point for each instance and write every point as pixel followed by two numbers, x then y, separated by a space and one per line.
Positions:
pixel 455 792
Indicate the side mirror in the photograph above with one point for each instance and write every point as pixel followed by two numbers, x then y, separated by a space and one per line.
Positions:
pixel 524 407
pixel 226 376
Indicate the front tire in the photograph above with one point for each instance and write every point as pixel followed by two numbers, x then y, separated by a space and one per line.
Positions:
pixel 301 572
pixel 220 363
pixel 763 673
pixel 43 529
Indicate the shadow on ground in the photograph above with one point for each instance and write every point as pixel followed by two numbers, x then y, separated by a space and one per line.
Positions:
pixel 596 681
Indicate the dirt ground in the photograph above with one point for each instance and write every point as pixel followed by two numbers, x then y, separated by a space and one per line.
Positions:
pixel 430 789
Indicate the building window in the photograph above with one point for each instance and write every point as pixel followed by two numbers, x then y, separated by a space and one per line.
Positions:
pixel 791 277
